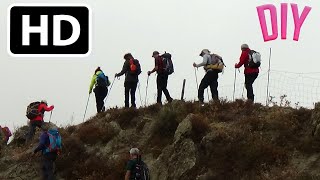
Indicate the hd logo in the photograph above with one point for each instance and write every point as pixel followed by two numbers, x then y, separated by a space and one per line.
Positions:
pixel 49 30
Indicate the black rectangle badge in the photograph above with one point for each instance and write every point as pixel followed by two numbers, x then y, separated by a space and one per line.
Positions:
pixel 49 30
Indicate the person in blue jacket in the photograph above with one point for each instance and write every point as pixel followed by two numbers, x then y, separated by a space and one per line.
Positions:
pixel 49 145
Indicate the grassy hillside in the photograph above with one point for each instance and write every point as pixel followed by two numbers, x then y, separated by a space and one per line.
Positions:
pixel 225 140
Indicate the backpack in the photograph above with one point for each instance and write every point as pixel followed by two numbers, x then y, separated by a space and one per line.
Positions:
pixel 133 67
pixel 102 80
pixel 55 141
pixel 6 132
pixel 167 63
pixel 141 171
pixel 32 110
pixel 216 63
pixel 254 59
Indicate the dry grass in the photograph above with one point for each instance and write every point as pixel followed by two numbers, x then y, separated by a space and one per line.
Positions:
pixel 235 140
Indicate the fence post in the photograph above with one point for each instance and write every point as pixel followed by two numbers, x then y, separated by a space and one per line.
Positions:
pixel 183 85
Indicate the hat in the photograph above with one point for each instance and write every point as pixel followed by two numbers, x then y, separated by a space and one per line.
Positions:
pixel 204 51
pixel 155 53
pixel 244 46
pixel 134 151
pixel 98 69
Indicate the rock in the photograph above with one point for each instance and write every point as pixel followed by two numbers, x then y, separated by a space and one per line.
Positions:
pixel 183 158
pixel 184 129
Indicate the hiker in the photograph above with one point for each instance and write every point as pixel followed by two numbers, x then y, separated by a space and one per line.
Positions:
pixel 6 133
pixel 50 146
pixel 35 112
pixel 136 168
pixel 162 78
pixel 209 79
pixel 132 69
pixel 250 73
pixel 101 83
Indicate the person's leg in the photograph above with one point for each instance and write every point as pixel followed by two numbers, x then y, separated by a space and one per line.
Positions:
pixel 126 94
pixel 99 98
pixel 104 95
pixel 48 166
pixel 249 79
pixel 164 88
pixel 31 132
pixel 214 85
pixel 159 89
pixel 203 85
pixel 133 94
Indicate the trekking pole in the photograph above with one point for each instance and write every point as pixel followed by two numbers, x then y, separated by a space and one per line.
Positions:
pixel 86 108
pixel 234 83
pixel 50 116
pixel 145 101
pixel 140 94
pixel 195 74
pixel 105 100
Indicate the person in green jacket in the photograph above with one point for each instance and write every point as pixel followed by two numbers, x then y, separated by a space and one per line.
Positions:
pixel 100 82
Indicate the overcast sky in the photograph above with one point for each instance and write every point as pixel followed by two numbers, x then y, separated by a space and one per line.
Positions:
pixel 180 27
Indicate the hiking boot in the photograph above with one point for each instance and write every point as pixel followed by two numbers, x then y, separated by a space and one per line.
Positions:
pixel 170 100
pixel 201 103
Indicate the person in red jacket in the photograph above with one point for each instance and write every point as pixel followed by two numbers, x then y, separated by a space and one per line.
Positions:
pixel 250 74
pixel 38 120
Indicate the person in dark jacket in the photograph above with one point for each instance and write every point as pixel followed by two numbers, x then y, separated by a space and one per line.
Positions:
pixel 131 68
pixel 100 83
pixel 250 74
pixel 48 158
pixel 162 78
pixel 38 120
pixel 209 79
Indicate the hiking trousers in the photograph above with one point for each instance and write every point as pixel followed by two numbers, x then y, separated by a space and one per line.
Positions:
pixel 162 82
pixel 100 93
pixel 47 168
pixel 249 80
pixel 130 88
pixel 210 79
pixel 32 129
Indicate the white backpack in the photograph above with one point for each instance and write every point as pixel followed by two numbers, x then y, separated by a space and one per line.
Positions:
pixel 254 59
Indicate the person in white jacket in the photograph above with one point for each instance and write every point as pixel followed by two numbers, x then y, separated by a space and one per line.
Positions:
pixel 209 79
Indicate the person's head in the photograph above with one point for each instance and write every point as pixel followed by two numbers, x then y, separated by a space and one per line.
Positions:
pixel 98 69
pixel 203 52
pixel 44 102
pixel 134 153
pixel 128 56
pixel 155 54
pixel 244 47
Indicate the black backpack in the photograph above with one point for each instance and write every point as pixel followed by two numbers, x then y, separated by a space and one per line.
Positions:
pixel 141 171
pixel 167 63
pixel 32 110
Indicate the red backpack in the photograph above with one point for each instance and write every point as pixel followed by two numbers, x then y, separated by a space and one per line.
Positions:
pixel 133 67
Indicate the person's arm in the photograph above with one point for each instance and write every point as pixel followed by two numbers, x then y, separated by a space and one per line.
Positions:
pixel 42 143
pixel 124 69
pixel 244 56
pixel 155 67
pixel 93 81
pixel 127 176
pixel 47 108
pixel 204 62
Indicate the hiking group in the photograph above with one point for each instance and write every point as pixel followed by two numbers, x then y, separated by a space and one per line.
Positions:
pixel 50 143
pixel 212 63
